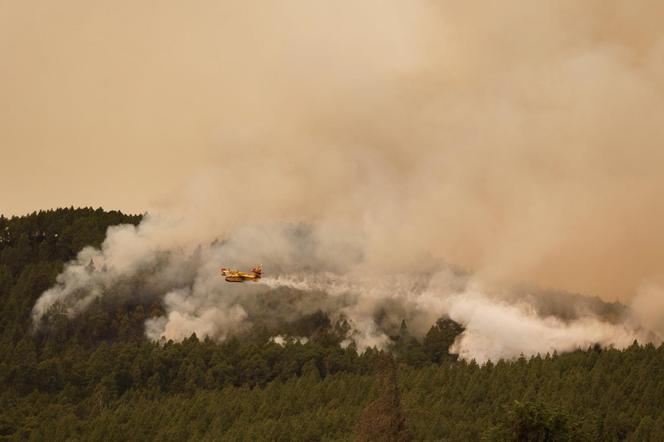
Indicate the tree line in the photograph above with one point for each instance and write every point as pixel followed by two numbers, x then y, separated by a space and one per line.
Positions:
pixel 96 376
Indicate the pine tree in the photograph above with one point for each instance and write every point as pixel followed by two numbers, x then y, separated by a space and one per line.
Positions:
pixel 382 420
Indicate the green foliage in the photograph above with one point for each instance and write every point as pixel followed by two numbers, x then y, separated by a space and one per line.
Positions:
pixel 439 339
pixel 96 377
pixel 382 420
pixel 33 249
pixel 535 422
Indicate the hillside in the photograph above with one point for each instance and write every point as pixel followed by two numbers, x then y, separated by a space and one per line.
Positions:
pixel 96 376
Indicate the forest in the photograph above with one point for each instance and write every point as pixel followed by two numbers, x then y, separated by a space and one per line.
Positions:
pixel 97 377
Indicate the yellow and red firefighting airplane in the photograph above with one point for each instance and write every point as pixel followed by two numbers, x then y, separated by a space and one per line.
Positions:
pixel 237 276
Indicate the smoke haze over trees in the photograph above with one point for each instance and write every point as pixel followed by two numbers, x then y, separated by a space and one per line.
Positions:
pixel 96 376
pixel 323 267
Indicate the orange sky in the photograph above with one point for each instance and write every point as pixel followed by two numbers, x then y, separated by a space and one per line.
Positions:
pixel 522 140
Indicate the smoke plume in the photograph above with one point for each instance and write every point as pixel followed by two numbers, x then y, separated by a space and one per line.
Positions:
pixel 355 148
pixel 310 271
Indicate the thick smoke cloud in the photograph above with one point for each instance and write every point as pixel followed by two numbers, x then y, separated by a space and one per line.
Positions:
pixel 309 276
pixel 520 141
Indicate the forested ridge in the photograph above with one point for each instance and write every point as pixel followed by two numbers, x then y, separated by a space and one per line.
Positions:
pixel 96 376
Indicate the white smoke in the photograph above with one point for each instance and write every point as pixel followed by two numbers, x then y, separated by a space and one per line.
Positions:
pixel 303 276
pixel 497 330
pixel 283 340
pixel 647 307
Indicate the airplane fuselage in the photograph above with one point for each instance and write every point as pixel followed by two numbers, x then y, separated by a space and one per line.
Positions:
pixel 241 277
pixel 237 276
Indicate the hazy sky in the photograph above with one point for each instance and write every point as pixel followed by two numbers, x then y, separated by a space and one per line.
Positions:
pixel 516 138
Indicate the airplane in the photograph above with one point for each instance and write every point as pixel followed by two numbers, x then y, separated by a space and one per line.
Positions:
pixel 237 276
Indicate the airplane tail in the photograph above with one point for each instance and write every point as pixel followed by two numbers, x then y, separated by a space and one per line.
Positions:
pixel 257 270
